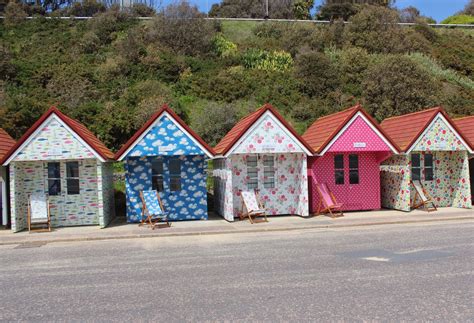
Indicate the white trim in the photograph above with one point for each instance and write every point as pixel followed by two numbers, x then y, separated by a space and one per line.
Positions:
pixel 439 115
pixel 40 128
pixel 176 123
pixel 369 123
pixel 255 125
pixel 4 200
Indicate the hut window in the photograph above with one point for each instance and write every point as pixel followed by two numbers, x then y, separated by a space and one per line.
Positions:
pixel 72 178
pixel 157 175
pixel 339 169
pixel 415 167
pixel 428 170
pixel 252 172
pixel 268 172
pixel 54 178
pixel 354 169
pixel 175 174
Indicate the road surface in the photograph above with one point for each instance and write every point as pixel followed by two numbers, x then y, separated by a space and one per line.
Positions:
pixel 397 272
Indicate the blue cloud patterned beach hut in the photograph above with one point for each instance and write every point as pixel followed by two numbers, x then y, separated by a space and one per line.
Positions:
pixel 166 155
pixel 60 157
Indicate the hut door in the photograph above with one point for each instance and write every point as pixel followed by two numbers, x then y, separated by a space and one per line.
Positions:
pixel 54 186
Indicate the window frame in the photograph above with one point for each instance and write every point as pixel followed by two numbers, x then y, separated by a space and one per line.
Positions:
pixel 252 182
pixel 272 169
pixel 431 167
pixel 56 179
pixel 338 171
pixel 160 183
pixel 72 178
pixel 354 169
pixel 175 178
pixel 417 168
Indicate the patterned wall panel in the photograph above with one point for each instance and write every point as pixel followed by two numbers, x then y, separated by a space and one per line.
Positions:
pixel 267 137
pixel 54 142
pixel 439 137
pixel 395 183
pixel 189 203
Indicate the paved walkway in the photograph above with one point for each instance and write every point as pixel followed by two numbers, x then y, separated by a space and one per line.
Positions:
pixel 119 229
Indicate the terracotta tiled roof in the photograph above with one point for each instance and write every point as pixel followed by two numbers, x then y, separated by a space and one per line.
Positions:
pixel 75 125
pixel 153 118
pixel 407 128
pixel 466 125
pixel 6 143
pixel 231 138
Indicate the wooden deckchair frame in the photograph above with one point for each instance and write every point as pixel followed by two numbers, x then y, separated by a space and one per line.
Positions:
pixel 334 211
pixel 249 214
pixel 150 219
pixel 47 222
pixel 423 204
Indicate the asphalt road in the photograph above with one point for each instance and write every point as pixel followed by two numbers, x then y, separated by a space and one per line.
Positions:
pixel 404 272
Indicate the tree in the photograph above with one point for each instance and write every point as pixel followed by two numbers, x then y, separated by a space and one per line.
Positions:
pixel 182 29
pixel 469 8
pixel 396 86
pixel 214 121
pixel 86 8
pixel 14 13
pixel 375 29
pixel 336 11
pixel 302 9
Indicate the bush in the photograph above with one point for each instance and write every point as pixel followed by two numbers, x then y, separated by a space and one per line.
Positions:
pixel 459 19
pixel 214 121
pixel 396 86
pixel 316 74
pixel 267 61
pixel 182 29
pixel 224 47
pixel 14 14
pixel 142 10
pixel 86 8
pixel 7 69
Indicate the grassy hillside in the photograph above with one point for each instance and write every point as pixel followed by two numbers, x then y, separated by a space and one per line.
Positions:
pixel 112 72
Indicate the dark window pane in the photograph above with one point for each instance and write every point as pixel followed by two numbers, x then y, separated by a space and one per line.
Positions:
pixel 415 160
pixel 157 167
pixel 157 183
pixel 339 174
pixel 428 174
pixel 72 169
pixel 339 161
pixel 353 161
pixel 73 186
pixel 175 183
pixel 354 176
pixel 428 160
pixel 415 174
pixel 175 167
pixel 54 170
pixel 54 187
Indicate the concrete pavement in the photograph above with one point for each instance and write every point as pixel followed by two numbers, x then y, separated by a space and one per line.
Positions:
pixel 406 272
pixel 119 229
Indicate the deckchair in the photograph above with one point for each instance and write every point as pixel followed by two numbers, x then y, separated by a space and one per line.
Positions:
pixel 252 207
pixel 327 202
pixel 423 196
pixel 38 212
pixel 153 211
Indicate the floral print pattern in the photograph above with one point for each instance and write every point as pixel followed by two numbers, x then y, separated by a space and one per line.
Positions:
pixel 439 137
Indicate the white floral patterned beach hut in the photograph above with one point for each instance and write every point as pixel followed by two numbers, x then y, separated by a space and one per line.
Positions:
pixel 60 157
pixel 434 152
pixel 262 151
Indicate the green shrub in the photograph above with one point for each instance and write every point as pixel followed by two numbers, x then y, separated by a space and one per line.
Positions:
pixel 269 61
pixel 224 47
pixel 459 19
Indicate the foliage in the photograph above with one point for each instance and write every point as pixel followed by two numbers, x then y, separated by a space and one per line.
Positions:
pixel 334 11
pixel 277 9
pixel 469 8
pixel 224 47
pixel 459 19
pixel 397 85
pixel 259 59
pixel 14 13
pixel 182 29
pixel 214 121
pixel 86 8
pixel 302 9
pixel 142 10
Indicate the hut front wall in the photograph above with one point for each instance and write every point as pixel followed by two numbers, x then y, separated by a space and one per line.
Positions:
pixel 223 197
pixel 290 194
pixel 362 196
pixel 189 203
pixel 106 193
pixel 395 180
pixel 66 210
pixel 450 186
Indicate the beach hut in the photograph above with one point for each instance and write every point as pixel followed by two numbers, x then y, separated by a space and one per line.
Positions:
pixel 168 156
pixel 6 143
pixel 349 147
pixel 434 153
pixel 60 157
pixel 466 125
pixel 262 151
